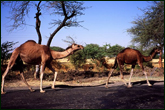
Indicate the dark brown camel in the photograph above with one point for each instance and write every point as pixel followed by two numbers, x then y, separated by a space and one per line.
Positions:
pixel 34 54
pixel 133 57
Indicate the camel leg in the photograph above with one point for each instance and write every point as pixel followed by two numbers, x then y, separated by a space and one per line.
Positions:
pixel 145 73
pixel 9 66
pixel 55 75
pixel 41 77
pixel 3 80
pixel 121 74
pixel 37 71
pixel 24 80
pixel 129 84
pixel 110 73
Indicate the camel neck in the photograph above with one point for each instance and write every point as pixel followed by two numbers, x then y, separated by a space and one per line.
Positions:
pixel 149 58
pixel 58 55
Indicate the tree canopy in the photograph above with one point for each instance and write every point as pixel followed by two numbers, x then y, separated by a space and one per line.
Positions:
pixel 6 48
pixel 148 29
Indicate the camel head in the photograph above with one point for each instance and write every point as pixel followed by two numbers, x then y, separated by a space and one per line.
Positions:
pixel 75 47
pixel 157 49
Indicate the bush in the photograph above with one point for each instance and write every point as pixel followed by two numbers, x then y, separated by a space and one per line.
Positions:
pixel 78 59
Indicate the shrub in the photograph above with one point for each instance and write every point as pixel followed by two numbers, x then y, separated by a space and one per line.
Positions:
pixel 78 59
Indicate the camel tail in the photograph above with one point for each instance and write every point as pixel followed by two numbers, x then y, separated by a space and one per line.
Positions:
pixel 115 64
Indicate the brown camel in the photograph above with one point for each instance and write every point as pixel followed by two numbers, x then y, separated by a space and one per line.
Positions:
pixel 34 54
pixel 133 57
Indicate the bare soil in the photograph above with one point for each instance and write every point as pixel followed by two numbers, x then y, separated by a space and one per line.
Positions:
pixel 82 78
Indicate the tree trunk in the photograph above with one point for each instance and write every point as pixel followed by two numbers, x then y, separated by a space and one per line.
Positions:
pixel 38 23
pixel 160 59
pixel 53 34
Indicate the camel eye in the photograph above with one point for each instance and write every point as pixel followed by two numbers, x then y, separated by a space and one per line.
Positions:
pixel 78 46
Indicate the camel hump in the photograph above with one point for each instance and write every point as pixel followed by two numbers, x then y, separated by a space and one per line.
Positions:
pixel 124 50
pixel 30 41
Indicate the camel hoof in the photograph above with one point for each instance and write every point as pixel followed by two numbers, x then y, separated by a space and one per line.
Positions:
pixel 106 86
pixel 32 90
pixel 150 85
pixel 3 92
pixel 53 87
pixel 42 91
pixel 129 86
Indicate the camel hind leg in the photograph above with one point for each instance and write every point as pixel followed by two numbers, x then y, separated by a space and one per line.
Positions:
pixel 24 80
pixel 22 76
pixel 12 60
pixel 3 80
pixel 121 73
pixel 110 73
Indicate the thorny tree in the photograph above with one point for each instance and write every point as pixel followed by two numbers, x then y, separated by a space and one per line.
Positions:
pixel 68 10
pixel 148 30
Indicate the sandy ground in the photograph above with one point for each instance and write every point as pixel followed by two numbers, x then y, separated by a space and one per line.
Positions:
pixel 19 84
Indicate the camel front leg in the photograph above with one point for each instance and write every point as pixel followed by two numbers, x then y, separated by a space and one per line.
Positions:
pixel 145 73
pixel 37 71
pixel 110 73
pixel 24 80
pixel 41 77
pixel 55 76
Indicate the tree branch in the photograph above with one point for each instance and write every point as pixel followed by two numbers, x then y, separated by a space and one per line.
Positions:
pixel 38 23
pixel 63 8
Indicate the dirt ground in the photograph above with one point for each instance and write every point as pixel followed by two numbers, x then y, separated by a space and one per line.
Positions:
pixel 82 78
pixel 85 90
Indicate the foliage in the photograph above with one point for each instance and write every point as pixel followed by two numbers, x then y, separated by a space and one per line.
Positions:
pixel 148 30
pixel 6 48
pixel 78 59
pixel 114 50
pixel 94 51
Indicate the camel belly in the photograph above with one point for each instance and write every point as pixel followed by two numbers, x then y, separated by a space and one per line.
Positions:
pixel 130 61
pixel 30 60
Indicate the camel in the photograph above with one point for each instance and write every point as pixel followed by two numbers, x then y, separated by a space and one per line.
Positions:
pixel 133 57
pixel 34 54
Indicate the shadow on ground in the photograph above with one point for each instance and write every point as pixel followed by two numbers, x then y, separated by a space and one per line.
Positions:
pixel 140 96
